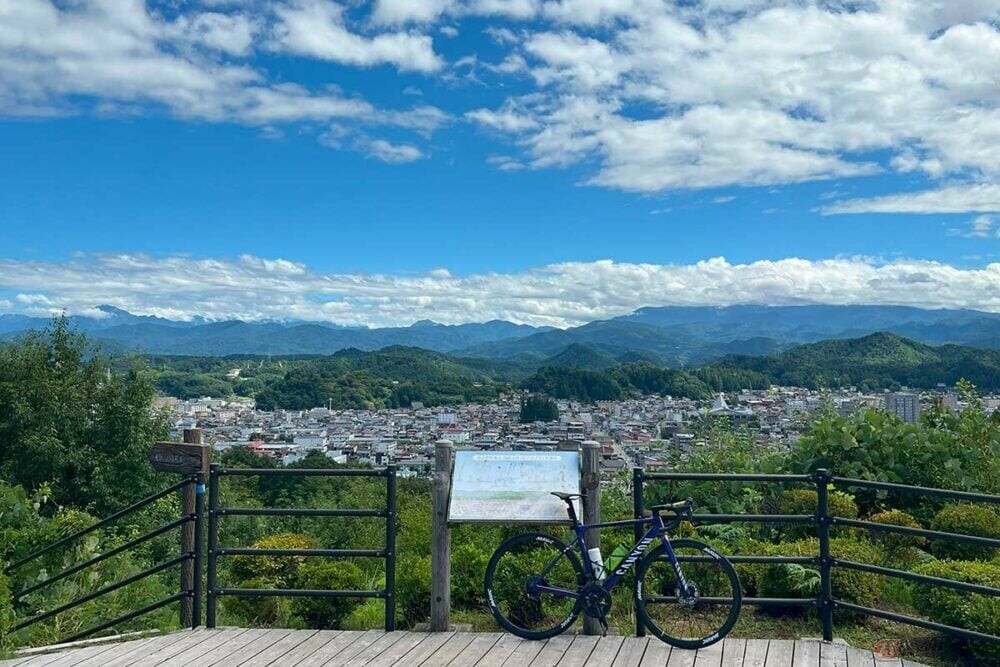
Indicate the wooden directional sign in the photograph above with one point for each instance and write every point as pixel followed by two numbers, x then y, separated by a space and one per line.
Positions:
pixel 179 458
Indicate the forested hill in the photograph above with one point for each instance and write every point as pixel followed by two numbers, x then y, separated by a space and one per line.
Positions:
pixel 396 376
pixel 877 361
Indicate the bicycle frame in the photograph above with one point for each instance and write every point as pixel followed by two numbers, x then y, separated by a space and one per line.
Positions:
pixel 657 529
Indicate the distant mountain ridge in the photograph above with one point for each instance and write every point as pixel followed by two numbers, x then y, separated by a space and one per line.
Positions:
pixel 677 336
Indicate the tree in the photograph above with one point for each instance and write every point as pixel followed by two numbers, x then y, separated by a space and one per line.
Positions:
pixel 538 409
pixel 68 420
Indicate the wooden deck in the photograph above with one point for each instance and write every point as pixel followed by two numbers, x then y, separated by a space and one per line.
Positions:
pixel 375 648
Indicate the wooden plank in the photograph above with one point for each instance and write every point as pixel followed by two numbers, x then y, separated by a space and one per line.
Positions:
pixel 428 647
pixel 305 650
pixel 755 654
pixel 375 649
pixel 806 653
pixel 219 650
pixel 500 651
pixel 72 656
pixel 400 648
pixel 450 649
pixel 480 645
pixel 579 651
pixel 341 648
pixel 631 652
pixel 129 655
pixel 657 653
pixel 605 652
pixel 780 653
pixel 732 652
pixel 832 654
pixel 553 651
pixel 179 644
pixel 279 648
pixel 525 652
pixel 857 657
pixel 710 656
pixel 182 654
pixel 121 650
pixel 247 652
pixel 680 657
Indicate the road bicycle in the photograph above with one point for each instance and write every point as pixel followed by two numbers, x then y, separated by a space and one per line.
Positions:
pixel 686 593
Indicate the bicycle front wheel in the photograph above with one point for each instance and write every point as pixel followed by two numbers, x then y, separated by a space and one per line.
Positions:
pixel 532 584
pixel 695 616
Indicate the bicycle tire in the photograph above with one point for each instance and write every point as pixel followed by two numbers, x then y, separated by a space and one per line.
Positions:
pixel 724 581
pixel 496 589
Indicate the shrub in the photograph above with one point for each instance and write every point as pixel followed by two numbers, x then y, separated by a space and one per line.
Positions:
pixel 413 588
pixel 901 551
pixel 468 567
pixel 369 615
pixel 278 570
pixel 965 519
pixel 804 501
pixel 325 613
pixel 958 608
pixel 256 611
pixel 791 581
pixel 6 617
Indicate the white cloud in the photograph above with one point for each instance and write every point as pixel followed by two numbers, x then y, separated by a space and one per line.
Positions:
pixel 562 294
pixel 985 226
pixel 966 198
pixel 381 149
pixel 316 28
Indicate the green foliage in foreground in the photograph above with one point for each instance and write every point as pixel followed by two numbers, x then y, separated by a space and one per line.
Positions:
pixel 961 609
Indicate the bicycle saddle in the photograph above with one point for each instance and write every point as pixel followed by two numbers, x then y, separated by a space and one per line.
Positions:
pixel 566 496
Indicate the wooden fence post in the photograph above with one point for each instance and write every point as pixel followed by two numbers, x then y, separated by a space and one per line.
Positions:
pixel 441 538
pixel 591 483
pixel 192 436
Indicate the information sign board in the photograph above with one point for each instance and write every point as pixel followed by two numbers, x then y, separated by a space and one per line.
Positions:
pixel 513 486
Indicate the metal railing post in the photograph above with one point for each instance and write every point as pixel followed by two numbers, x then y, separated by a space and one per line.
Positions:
pixel 638 507
pixel 390 549
pixel 213 544
pixel 822 479
pixel 199 527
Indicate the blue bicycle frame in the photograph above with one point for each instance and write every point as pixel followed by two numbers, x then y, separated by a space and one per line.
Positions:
pixel 657 529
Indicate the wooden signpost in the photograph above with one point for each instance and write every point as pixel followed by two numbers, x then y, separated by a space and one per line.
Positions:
pixel 182 459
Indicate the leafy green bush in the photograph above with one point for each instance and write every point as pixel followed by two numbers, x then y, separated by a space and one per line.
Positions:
pixel 468 568
pixel 804 501
pixel 279 570
pixel 413 591
pixel 794 581
pixel 326 613
pixel 367 616
pixel 958 608
pixel 965 519
pixel 255 611
pixel 901 551
pixel 6 616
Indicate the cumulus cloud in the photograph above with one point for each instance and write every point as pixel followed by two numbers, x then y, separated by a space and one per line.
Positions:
pixel 563 294
pixel 381 149
pixel 966 198
pixel 316 28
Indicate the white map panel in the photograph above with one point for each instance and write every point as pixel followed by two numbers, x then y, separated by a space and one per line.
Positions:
pixel 513 487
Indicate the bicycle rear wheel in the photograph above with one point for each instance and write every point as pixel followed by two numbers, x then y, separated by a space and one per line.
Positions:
pixel 518 581
pixel 701 615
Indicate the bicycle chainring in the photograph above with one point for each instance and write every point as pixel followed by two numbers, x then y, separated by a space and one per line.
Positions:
pixel 596 601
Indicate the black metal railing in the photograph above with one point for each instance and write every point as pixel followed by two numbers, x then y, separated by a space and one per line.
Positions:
pixel 824 601
pixel 189 592
pixel 217 511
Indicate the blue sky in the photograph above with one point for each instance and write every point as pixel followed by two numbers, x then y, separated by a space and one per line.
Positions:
pixel 544 161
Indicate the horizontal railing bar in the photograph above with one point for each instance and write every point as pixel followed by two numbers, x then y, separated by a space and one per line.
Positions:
pixel 303 472
pixel 922 490
pixel 127 617
pixel 297 593
pixel 724 477
pixel 761 602
pixel 102 591
pixel 919 622
pixel 329 553
pixel 165 528
pixel 277 511
pixel 762 518
pixel 103 522
pixel 786 560
pixel 922 532
pixel 918 578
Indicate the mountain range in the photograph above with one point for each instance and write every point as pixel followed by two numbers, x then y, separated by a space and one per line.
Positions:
pixel 669 336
